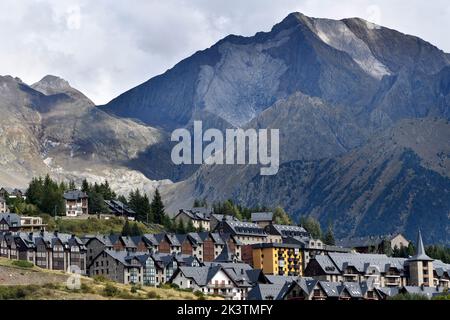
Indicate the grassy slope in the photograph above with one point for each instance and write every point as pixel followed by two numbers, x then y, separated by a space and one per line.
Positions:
pixel 35 283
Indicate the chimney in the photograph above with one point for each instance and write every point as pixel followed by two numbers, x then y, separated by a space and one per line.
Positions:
pixel 42 232
pixel 30 236
pixel 55 233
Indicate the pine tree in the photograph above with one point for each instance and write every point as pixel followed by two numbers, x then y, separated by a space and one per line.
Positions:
pixel 72 185
pixel 181 227
pixel 126 230
pixel 157 208
pixel 85 186
pixel 329 236
pixel 135 230
pixel 190 227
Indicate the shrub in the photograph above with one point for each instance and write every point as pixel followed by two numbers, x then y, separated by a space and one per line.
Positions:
pixel 110 290
pixel 17 292
pixel 23 264
pixel 153 295
pixel 133 289
pixel 99 279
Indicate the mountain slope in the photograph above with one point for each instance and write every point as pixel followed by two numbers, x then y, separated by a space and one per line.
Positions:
pixel 50 127
pixel 397 182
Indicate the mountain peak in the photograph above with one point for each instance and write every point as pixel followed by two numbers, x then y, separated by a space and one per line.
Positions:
pixel 51 85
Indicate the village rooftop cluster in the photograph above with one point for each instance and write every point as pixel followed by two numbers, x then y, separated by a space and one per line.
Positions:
pixel 237 260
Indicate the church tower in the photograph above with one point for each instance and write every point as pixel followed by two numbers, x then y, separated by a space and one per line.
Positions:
pixel 420 266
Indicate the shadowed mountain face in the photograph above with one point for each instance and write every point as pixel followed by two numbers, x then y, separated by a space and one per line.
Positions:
pixel 362 110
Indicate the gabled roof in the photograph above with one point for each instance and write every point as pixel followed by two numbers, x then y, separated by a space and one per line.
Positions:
pixel 261 216
pixel 429 292
pixel 268 291
pixel 287 230
pixel 11 219
pixel 245 228
pixel 199 214
pixel 361 261
pixel 75 195
pixel 226 255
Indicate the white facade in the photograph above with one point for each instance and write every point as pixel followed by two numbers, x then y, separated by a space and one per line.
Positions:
pixel 220 284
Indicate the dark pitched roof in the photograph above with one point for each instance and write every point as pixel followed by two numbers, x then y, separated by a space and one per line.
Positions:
pixel 268 291
pixel 12 219
pixel 226 255
pixel 75 195
pixel 118 207
pixel 245 228
pixel 287 231
pixel 195 214
pixel 261 216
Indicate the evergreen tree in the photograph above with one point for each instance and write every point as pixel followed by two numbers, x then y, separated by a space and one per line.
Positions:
pixel 190 227
pixel 181 227
pixel 329 236
pixel 85 186
pixel 126 230
pixel 135 230
pixel 281 217
pixel 157 208
pixel 96 203
pixel 312 226
pixel 72 185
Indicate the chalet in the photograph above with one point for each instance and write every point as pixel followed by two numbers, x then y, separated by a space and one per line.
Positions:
pixel 230 281
pixel 199 217
pixel 167 243
pixel 76 203
pixel 31 224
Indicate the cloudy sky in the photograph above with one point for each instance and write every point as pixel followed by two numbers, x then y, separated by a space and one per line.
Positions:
pixel 105 47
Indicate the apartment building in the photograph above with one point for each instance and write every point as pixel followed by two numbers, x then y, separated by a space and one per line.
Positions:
pixel 384 271
pixel 199 217
pixel 54 251
pixel 137 268
pixel 76 203
pixel 278 258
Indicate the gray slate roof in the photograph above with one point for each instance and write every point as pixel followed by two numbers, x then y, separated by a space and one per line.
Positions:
pixel 12 219
pixel 261 216
pixel 74 195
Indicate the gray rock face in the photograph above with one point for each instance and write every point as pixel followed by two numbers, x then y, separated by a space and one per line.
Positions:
pixel 53 128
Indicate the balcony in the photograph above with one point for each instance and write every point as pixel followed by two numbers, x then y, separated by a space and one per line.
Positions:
pixel 219 286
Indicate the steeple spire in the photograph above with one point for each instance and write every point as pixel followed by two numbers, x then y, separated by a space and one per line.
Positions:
pixel 420 251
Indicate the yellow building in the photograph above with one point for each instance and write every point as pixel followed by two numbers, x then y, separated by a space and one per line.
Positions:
pixel 278 258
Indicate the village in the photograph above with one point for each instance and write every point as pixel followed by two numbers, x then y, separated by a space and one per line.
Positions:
pixel 260 258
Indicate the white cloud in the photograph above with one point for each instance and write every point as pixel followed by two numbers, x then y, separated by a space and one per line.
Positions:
pixel 105 47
